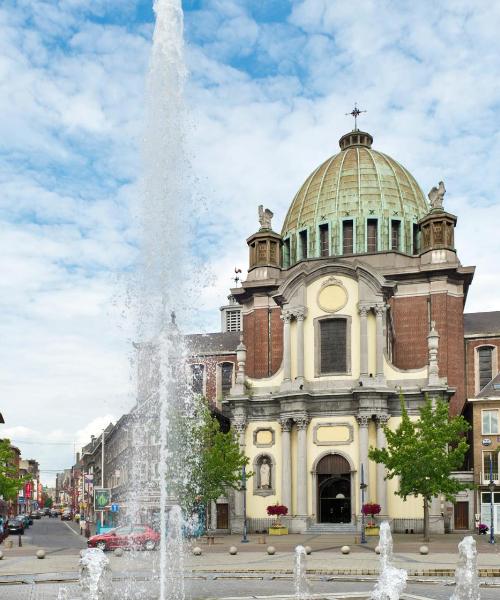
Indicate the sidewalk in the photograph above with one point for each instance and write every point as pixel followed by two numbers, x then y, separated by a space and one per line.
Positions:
pixel 252 558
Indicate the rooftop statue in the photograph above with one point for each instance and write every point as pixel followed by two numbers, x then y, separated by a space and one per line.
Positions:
pixel 265 216
pixel 436 196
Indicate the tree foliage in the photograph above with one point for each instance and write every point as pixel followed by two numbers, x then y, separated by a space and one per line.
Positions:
pixel 424 452
pixel 10 482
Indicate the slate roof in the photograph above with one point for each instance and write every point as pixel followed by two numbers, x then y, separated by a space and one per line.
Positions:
pixel 492 390
pixel 482 323
pixel 213 343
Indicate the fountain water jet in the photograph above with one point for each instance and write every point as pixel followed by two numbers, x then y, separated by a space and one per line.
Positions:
pixel 95 575
pixel 300 574
pixel 392 581
pixel 466 578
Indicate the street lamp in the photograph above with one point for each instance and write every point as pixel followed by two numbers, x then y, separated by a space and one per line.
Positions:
pixel 244 539
pixel 362 487
pixel 491 487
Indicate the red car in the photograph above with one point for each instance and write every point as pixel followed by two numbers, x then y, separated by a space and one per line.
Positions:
pixel 138 536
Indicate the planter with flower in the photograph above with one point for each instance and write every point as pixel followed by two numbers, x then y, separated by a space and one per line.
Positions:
pixel 370 509
pixel 277 511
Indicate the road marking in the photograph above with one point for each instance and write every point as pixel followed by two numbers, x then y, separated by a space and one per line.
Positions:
pixel 71 529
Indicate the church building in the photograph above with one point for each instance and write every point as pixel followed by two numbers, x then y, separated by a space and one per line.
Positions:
pixel 358 299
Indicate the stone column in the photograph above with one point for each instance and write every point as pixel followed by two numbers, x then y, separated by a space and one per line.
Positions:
pixel 363 341
pixel 240 427
pixel 300 315
pixel 287 349
pixel 302 423
pixel 381 482
pixel 363 421
pixel 286 464
pixel 213 515
pixel 379 314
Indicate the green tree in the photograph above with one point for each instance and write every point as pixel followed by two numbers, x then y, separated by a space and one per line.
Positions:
pixel 47 500
pixel 218 466
pixel 10 482
pixel 424 452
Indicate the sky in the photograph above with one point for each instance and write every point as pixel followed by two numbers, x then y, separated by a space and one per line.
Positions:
pixel 269 84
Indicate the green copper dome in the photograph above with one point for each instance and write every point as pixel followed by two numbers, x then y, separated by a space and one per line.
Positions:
pixel 359 200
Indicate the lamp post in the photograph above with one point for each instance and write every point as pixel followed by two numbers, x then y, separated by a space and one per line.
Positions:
pixel 244 539
pixel 362 487
pixel 491 487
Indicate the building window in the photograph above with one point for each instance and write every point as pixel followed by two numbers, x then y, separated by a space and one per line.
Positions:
pixel 371 235
pixel 416 239
pixel 286 252
pixel 226 378
pixel 485 359
pixel 303 244
pixel 395 235
pixel 490 465
pixel 333 346
pixel 324 246
pixel 233 320
pixel 347 237
pixel 489 422
pixel 197 372
pixel 486 498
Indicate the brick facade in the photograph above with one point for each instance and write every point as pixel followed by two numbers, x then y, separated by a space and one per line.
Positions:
pixel 411 327
pixel 212 394
pixel 263 337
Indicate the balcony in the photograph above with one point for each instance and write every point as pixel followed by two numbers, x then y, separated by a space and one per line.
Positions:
pixel 485 478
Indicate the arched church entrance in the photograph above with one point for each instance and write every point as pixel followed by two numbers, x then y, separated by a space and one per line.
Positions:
pixel 334 489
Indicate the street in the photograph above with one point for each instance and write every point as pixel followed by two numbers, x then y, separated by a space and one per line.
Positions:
pixel 54 535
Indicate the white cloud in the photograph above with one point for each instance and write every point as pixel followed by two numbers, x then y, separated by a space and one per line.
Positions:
pixel 268 102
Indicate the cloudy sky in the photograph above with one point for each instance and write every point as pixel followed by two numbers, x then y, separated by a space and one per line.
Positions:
pixel 270 83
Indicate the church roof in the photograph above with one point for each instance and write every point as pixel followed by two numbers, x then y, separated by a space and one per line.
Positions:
pixel 482 323
pixel 213 343
pixel 357 183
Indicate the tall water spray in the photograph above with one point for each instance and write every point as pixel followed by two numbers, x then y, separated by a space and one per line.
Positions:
pixel 300 574
pixel 160 423
pixel 466 578
pixel 392 581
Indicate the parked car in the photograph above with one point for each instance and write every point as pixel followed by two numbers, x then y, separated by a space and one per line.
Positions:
pixel 46 511
pixel 138 536
pixel 25 519
pixel 53 513
pixel 35 515
pixel 15 526
pixel 67 516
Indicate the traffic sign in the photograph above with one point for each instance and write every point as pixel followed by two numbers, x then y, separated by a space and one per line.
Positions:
pixel 114 508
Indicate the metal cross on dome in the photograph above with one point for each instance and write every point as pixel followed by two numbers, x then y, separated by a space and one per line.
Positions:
pixel 355 113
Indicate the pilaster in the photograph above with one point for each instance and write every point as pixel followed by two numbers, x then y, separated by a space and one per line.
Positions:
pixel 381 482
pixel 302 422
pixel 286 463
pixel 363 421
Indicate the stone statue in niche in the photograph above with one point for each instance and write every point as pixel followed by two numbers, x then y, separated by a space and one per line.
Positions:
pixel 265 216
pixel 265 474
pixel 436 196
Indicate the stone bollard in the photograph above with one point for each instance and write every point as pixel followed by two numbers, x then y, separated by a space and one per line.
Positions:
pixel 271 550
pixel 424 550
pixel 308 549
pixel 197 551
pixel 345 549
pixel 233 550
pixel 377 549
pixel 118 552
pixel 40 553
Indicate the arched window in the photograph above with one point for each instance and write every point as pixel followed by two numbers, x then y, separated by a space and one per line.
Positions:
pixel 485 363
pixel 197 372
pixel 227 369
